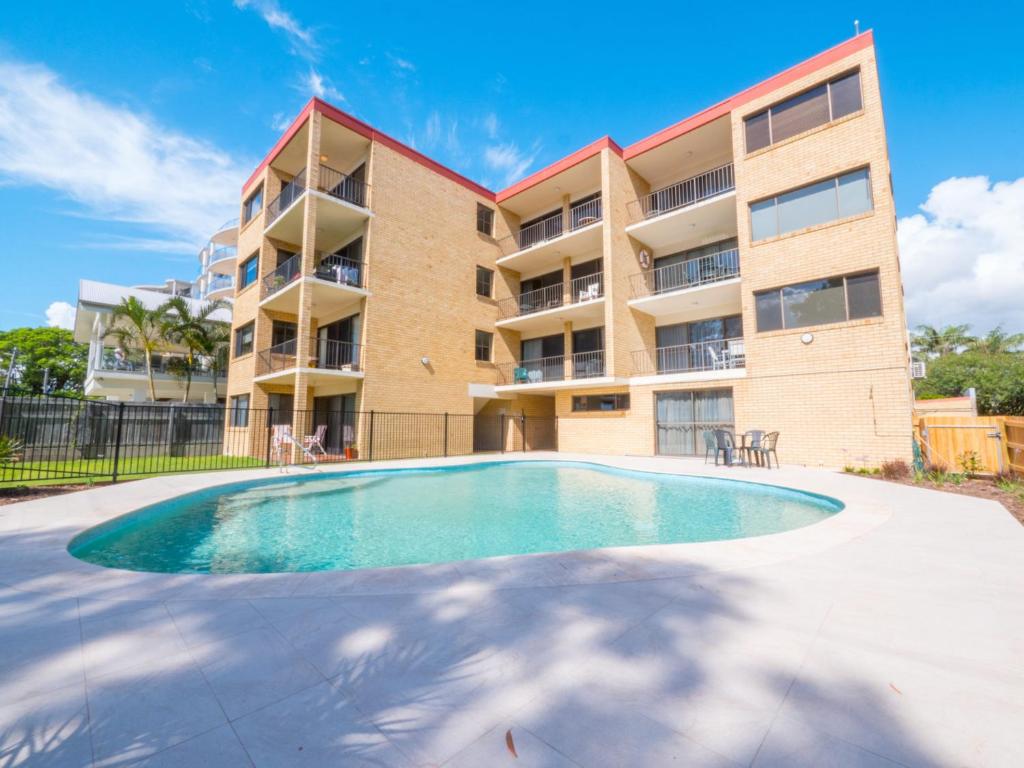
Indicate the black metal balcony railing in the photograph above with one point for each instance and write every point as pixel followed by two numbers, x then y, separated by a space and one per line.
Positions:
pixel 716 355
pixel 586 288
pixel 703 270
pixel 285 274
pixel 343 186
pixel 580 215
pixel 340 270
pixel 326 354
pixel 684 193
pixel 290 192
pixel 580 365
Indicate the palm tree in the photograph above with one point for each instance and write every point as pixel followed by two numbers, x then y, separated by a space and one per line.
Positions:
pixel 998 342
pixel 217 343
pixel 934 342
pixel 189 329
pixel 135 326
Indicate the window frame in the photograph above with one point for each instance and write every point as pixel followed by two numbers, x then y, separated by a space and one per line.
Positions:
pixel 779 294
pixel 831 110
pixel 477 347
pixel 485 213
pixel 482 271
pixel 243 269
pixel 620 402
pixel 248 214
pixel 239 408
pixel 237 347
pixel 835 180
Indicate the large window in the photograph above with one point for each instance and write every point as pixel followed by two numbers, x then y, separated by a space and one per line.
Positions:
pixel 817 302
pixel 240 411
pixel 616 402
pixel 248 271
pixel 484 342
pixel 818 203
pixel 484 281
pixel 253 204
pixel 244 339
pixel 484 220
pixel 821 104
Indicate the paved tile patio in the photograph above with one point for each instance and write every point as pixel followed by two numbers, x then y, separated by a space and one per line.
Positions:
pixel 891 634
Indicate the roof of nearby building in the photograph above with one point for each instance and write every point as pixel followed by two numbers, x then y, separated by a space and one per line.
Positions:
pixel 819 61
pixel 95 297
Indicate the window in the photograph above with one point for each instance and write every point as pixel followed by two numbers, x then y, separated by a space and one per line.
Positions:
pixel 240 411
pixel 248 271
pixel 484 220
pixel 484 281
pixel 282 333
pixel 253 205
pixel 817 203
pixel 818 106
pixel 582 403
pixel 484 340
pixel 817 302
pixel 244 338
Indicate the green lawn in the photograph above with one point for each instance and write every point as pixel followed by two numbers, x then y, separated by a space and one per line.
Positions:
pixel 75 471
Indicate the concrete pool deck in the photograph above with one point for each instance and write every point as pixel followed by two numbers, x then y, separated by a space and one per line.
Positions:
pixel 889 634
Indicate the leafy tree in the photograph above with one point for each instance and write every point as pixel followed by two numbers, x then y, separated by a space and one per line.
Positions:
pixel 40 349
pixel 216 345
pixel 136 327
pixel 935 342
pixel 997 342
pixel 998 380
pixel 193 330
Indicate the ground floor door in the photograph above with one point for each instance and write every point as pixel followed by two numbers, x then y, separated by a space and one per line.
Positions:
pixel 338 413
pixel 683 417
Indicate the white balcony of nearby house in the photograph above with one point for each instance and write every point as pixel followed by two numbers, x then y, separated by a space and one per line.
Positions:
pixel 705 286
pixel 221 259
pixel 328 361
pixel 687 212
pixel 344 208
pixel 548 309
pixel 336 285
pixel 121 375
pixel 219 287
pixel 556 237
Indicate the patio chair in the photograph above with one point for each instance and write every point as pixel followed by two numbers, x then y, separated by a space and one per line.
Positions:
pixel 520 376
pixel 710 446
pixel 315 442
pixel 752 443
pixel 725 444
pixel 589 293
pixel 717 362
pixel 767 450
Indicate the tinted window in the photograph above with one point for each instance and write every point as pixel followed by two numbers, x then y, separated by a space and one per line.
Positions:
pixel 243 339
pixel 484 279
pixel 769 311
pixel 863 295
pixel 763 220
pixel 253 204
pixel 845 93
pixel 758 131
pixel 616 402
pixel 483 346
pixel 248 270
pixel 799 114
pixel 854 193
pixel 817 203
pixel 484 220
pixel 814 303
pixel 807 206
pixel 240 411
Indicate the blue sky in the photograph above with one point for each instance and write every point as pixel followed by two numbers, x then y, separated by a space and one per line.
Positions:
pixel 126 128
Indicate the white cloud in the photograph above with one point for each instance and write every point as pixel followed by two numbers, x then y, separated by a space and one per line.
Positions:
pixel 402 64
pixel 301 39
pixel 490 122
pixel 280 121
pixel 60 314
pixel 963 256
pixel 318 85
pixel 116 164
pixel 509 160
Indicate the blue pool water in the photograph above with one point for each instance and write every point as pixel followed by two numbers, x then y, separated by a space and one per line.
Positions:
pixel 396 517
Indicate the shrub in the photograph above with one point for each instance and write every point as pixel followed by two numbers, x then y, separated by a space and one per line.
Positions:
pixel 849 469
pixel 970 463
pixel 895 469
pixel 936 467
pixel 10 450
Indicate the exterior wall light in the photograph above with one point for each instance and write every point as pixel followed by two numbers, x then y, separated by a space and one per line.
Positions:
pixel 807 338
pixel 425 360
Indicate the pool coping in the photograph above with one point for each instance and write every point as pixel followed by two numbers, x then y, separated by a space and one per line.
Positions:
pixel 42 529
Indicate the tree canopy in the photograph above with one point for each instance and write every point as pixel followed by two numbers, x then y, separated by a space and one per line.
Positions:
pixel 45 348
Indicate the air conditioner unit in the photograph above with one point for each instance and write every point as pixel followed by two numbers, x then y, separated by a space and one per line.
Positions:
pixel 917 369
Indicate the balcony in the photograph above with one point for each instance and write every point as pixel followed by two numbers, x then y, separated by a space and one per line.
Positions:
pixel 336 283
pixel 700 361
pixel 687 212
pixel 221 260
pixel 219 287
pixel 226 233
pixel 556 237
pixel 701 287
pixel 346 209
pixel 547 309
pixel 549 374
pixel 133 364
pixel 328 361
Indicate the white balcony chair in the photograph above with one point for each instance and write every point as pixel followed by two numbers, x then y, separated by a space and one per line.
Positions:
pixel 591 292
pixel 718 362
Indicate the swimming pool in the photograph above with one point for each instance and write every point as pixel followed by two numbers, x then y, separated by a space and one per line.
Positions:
pixel 377 518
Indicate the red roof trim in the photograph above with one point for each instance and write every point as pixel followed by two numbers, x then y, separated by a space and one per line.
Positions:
pixel 556 168
pixel 823 59
pixel 854 44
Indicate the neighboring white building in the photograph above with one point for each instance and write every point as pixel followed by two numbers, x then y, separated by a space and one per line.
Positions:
pixel 217 264
pixel 115 374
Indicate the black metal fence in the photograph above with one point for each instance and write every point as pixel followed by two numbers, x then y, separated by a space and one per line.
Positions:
pixel 45 438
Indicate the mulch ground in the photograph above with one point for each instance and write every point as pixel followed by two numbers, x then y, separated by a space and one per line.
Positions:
pixel 28 493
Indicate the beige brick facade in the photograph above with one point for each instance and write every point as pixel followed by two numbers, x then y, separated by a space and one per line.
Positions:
pixel 840 397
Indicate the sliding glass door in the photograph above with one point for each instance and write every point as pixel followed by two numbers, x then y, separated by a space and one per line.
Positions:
pixel 684 416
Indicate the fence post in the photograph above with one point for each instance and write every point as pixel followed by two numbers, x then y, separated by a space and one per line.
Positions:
pixel 117 440
pixel 371 436
pixel 446 434
pixel 269 430
pixel 501 431
pixel 525 449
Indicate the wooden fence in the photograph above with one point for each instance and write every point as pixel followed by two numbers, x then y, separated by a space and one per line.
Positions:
pixel 997 442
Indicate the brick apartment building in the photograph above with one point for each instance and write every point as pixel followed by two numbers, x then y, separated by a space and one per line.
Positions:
pixel 737 268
